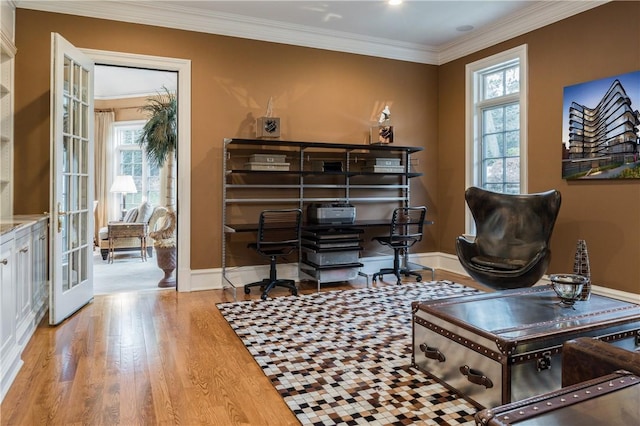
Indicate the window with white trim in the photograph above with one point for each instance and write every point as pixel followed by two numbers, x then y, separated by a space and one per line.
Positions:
pixel 496 123
pixel 130 159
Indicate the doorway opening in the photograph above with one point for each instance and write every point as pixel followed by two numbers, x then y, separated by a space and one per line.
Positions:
pixel 183 203
pixel 119 94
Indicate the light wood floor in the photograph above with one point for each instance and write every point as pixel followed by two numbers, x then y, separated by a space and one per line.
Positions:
pixel 148 358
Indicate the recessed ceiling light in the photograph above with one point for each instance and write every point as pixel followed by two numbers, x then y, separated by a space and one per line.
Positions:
pixel 395 2
pixel 464 28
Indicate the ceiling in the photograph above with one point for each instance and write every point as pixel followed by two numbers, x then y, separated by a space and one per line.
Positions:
pixel 426 23
pixel 111 82
pixel 426 31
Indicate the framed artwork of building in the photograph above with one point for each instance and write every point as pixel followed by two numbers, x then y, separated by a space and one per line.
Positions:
pixel 601 129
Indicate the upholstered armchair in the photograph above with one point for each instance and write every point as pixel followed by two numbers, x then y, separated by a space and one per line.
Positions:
pixel 142 213
pixel 511 246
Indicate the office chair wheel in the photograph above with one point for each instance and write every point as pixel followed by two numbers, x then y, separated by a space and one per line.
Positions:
pixel 247 290
pixel 418 278
pixel 294 292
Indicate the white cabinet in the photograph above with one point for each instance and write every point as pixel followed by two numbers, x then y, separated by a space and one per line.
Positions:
pixel 10 361
pixel 8 18
pixel 7 54
pixel 23 289
pixel 39 271
pixel 23 282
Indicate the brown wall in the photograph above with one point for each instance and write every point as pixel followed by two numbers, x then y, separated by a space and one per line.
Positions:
pixel 319 95
pixel 331 96
pixel 600 43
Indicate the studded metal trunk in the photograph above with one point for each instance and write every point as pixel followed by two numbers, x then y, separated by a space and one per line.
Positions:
pixel 496 348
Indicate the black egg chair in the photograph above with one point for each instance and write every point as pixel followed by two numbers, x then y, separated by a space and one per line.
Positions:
pixel 511 246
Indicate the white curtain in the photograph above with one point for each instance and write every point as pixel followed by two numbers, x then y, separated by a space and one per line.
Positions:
pixel 102 155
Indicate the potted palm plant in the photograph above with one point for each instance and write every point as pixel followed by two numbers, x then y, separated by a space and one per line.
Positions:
pixel 159 139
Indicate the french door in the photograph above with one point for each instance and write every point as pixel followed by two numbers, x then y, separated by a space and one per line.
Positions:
pixel 71 178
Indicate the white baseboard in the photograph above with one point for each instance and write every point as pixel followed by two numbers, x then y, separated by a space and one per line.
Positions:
pixel 211 279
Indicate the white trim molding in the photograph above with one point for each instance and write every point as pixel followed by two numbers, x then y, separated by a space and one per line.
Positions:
pixel 538 15
pixel 473 76
pixel 450 263
pixel 211 279
pixel 183 68
pixel 182 17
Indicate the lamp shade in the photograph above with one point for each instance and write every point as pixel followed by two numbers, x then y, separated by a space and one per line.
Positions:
pixel 124 184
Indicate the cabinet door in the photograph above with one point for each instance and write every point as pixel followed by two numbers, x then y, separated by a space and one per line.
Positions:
pixel 39 269
pixel 23 284
pixel 7 303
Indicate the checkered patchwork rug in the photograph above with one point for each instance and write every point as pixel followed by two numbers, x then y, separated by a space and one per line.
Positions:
pixel 343 357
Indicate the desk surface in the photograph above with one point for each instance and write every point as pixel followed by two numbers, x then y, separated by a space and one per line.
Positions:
pixel 252 227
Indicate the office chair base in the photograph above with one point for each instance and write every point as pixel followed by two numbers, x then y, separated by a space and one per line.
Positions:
pixel 266 285
pixel 386 271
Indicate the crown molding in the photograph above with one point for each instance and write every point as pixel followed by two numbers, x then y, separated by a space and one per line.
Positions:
pixel 522 22
pixel 7 45
pixel 165 15
pixel 170 16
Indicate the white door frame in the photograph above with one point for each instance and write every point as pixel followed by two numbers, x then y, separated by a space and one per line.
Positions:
pixel 183 68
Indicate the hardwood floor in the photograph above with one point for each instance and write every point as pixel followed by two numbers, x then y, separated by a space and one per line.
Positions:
pixel 148 358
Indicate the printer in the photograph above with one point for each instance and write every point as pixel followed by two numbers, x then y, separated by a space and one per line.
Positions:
pixel 331 213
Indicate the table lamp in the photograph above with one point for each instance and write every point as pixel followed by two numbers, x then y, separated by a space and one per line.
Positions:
pixel 124 184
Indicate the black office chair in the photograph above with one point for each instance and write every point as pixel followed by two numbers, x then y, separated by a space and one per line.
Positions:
pixel 511 246
pixel 404 232
pixel 278 236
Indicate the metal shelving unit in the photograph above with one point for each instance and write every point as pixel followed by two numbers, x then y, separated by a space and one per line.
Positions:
pixel 307 180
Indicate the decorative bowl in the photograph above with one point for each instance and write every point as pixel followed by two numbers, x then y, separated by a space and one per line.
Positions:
pixel 568 286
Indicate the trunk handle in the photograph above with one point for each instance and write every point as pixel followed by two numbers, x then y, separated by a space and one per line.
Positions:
pixel 432 353
pixel 476 376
